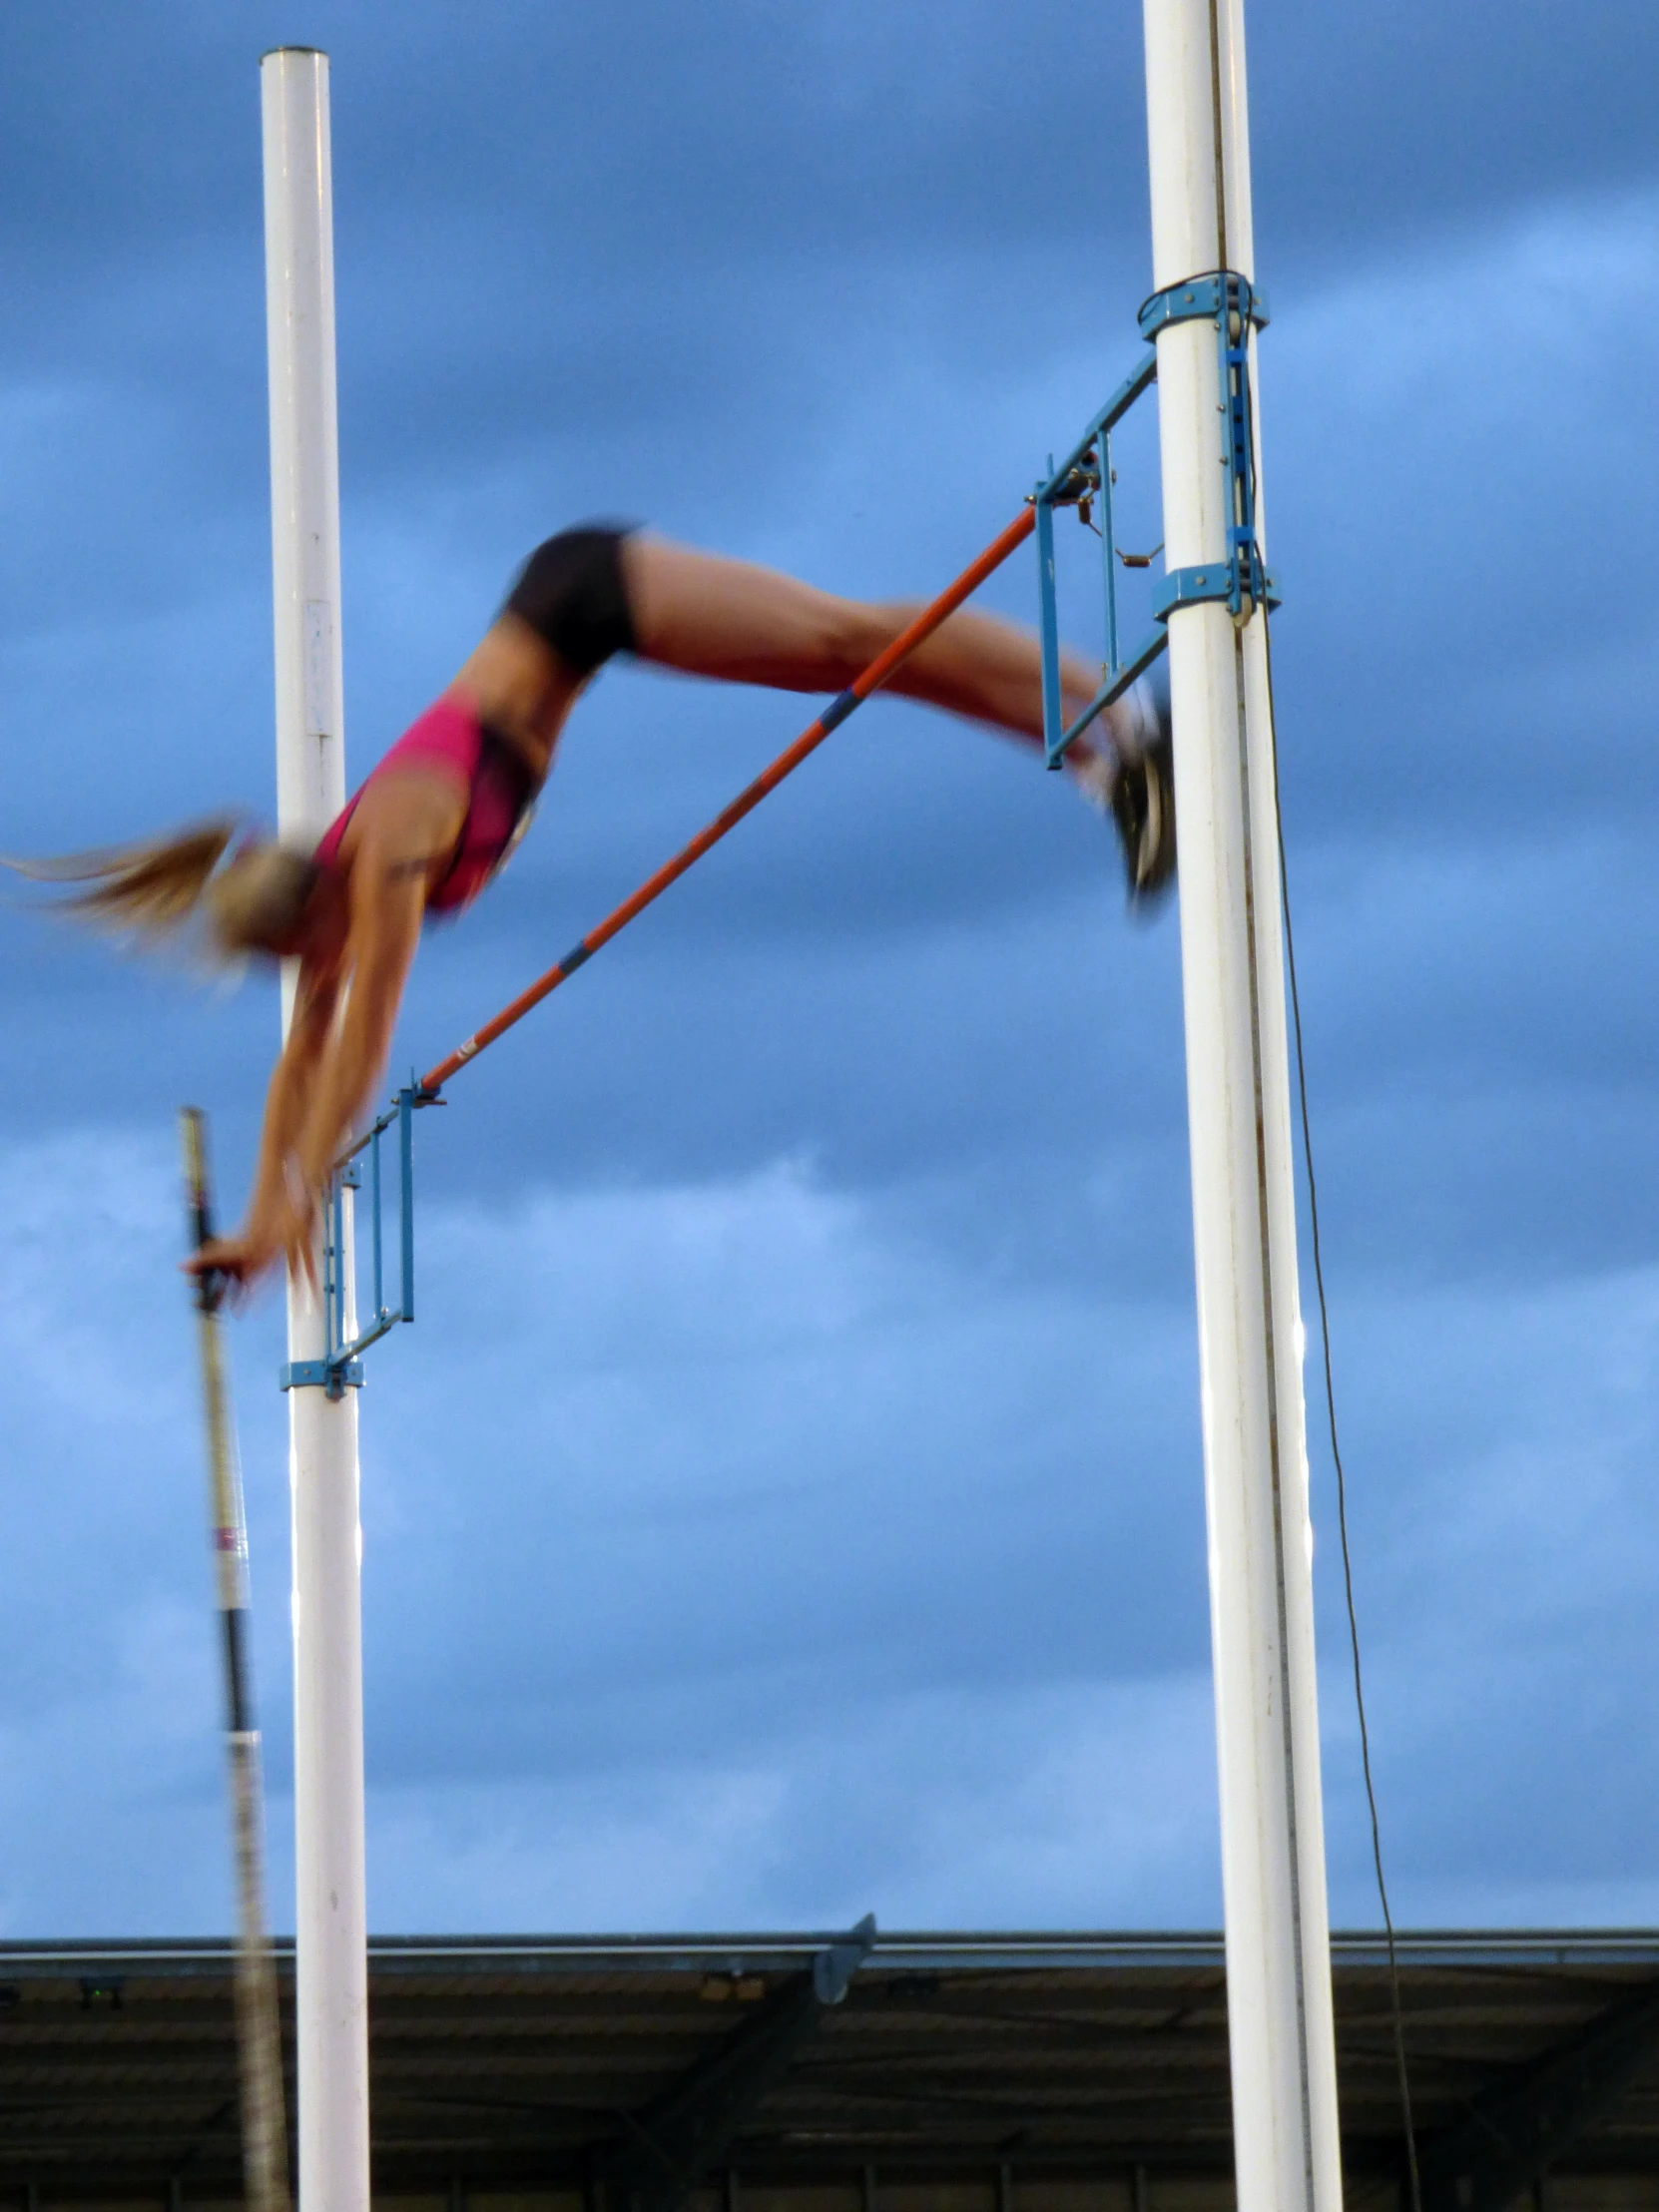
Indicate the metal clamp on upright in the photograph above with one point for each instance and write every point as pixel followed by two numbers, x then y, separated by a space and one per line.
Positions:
pixel 342 1368
pixel 1087 476
pixel 1233 305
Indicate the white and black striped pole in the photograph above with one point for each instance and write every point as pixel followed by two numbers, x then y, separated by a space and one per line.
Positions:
pixel 265 2149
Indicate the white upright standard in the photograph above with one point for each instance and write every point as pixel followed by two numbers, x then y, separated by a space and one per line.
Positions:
pixel 1244 1213
pixel 330 1921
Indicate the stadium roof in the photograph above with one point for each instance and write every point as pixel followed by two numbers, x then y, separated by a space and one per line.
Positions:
pixel 636 2070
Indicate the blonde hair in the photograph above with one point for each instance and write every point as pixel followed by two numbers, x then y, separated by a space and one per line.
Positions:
pixel 154 891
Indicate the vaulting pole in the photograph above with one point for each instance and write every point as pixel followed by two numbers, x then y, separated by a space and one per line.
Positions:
pixel 1244 1216
pixel 264 2143
pixel 330 1920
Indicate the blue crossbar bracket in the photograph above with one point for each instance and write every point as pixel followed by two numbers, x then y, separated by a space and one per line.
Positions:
pixel 307 1374
pixel 342 1368
pixel 1191 587
pixel 1085 478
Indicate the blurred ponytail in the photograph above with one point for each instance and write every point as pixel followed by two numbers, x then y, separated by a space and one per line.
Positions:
pixel 154 891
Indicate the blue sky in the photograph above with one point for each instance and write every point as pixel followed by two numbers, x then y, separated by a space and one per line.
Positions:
pixel 789 1503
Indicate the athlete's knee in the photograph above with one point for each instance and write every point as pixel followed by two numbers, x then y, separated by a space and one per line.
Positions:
pixel 573 592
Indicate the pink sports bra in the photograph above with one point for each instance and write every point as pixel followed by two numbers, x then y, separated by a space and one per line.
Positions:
pixel 500 799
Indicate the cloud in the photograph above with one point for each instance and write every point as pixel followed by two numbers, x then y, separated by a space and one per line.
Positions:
pixel 108 1681
pixel 1070 1806
pixel 747 1550
pixel 788 1501
pixel 735 1420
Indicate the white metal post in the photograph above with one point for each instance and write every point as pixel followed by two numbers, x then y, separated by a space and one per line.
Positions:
pixel 1244 1214
pixel 330 1919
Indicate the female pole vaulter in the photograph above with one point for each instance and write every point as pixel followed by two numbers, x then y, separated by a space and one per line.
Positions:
pixel 442 811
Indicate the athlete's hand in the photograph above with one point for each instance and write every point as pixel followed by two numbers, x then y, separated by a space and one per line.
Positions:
pixel 287 1233
pixel 238 1262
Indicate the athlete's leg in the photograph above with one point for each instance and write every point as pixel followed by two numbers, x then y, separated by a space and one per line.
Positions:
pixel 712 616
pixel 592 591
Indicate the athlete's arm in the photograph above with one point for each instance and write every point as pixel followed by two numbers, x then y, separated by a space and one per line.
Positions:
pixel 402 833
pixel 276 1211
pixel 388 899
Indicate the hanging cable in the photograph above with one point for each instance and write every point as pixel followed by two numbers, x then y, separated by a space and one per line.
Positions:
pixel 1403 2077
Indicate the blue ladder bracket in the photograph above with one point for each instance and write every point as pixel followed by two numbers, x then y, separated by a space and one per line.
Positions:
pixel 1086 477
pixel 1116 684
pixel 320 1375
pixel 341 1367
pixel 1194 587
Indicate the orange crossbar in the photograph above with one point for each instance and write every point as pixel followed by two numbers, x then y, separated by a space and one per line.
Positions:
pixel 769 780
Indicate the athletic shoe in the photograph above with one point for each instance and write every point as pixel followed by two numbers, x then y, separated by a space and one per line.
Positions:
pixel 1133 779
pixel 1143 808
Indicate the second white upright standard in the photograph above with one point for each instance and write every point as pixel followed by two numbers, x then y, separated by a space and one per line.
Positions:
pixel 1244 1214
pixel 330 1920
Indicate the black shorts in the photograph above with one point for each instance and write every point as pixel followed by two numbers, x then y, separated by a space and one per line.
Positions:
pixel 574 595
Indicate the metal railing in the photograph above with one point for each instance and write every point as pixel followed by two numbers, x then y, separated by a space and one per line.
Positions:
pixel 341 1367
